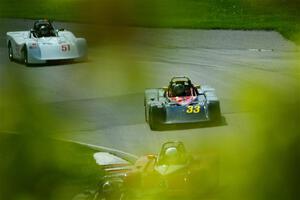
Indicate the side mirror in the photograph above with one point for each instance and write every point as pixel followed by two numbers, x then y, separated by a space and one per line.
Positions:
pixel 165 88
pixel 61 29
pixel 198 86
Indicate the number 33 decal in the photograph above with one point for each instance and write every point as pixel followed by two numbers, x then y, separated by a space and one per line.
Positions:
pixel 193 109
pixel 65 47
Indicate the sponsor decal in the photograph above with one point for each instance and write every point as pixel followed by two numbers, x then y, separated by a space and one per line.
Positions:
pixel 193 109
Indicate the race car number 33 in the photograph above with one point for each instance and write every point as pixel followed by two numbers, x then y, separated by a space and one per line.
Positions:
pixel 193 109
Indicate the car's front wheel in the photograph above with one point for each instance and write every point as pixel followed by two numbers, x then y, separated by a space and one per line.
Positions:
pixel 25 55
pixel 146 117
pixel 146 109
pixel 153 125
pixel 10 52
pixel 215 112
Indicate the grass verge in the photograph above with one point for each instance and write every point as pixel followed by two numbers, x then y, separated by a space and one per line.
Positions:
pixel 204 14
pixel 35 167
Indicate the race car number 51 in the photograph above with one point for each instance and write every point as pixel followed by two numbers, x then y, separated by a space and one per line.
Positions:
pixel 193 109
pixel 65 47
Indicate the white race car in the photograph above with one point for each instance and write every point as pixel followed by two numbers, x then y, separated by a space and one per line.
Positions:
pixel 44 44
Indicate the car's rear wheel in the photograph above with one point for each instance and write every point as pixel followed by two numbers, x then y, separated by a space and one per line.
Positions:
pixel 10 52
pixel 151 121
pixel 25 55
pixel 152 125
pixel 146 111
pixel 215 112
pixel 146 117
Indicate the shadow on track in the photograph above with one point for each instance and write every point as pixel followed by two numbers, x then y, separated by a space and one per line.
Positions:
pixel 188 126
pixel 53 63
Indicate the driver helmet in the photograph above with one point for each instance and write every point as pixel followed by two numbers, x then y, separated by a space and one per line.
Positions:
pixel 171 152
pixel 179 90
pixel 44 30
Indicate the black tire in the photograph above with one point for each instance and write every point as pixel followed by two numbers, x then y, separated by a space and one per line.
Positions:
pixel 153 126
pixel 25 55
pixel 146 119
pixel 145 109
pixel 215 112
pixel 10 52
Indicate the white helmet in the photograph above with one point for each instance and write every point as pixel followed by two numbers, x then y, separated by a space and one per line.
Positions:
pixel 171 152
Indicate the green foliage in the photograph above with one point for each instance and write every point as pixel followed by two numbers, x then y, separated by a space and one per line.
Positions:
pixel 279 15
pixel 265 164
pixel 35 167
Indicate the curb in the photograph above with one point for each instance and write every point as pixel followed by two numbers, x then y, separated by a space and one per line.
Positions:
pixel 124 155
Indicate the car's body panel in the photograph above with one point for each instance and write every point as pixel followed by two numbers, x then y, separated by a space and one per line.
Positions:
pixel 63 46
pixel 179 114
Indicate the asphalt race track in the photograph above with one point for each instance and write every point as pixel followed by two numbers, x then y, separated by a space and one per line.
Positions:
pixel 99 106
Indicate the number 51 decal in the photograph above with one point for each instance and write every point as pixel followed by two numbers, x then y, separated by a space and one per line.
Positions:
pixel 65 47
pixel 193 109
